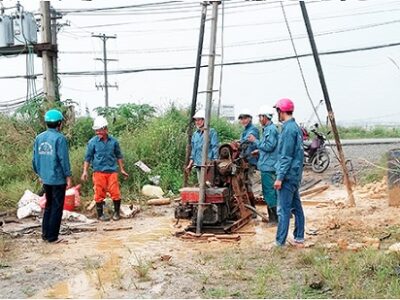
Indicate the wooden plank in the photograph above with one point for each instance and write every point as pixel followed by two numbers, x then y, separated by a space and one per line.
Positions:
pixel 117 228
pixel 316 190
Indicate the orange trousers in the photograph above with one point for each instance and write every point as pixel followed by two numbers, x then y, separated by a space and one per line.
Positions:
pixel 106 183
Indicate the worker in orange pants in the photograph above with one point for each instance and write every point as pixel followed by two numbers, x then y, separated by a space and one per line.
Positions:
pixel 104 154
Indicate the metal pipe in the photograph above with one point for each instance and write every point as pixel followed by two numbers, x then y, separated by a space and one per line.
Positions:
pixel 189 131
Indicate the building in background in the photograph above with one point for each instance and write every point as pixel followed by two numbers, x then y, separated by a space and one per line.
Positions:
pixel 228 112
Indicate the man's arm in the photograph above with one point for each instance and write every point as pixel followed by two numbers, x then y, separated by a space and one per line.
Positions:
pixel 214 143
pixel 63 156
pixel 118 154
pixel 286 155
pixel 88 158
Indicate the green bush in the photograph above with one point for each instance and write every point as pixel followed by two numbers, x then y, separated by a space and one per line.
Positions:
pixel 160 142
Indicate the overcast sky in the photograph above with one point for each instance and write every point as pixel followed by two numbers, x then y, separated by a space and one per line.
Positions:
pixel 362 85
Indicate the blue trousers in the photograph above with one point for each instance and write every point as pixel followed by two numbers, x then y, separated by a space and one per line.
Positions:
pixel 269 193
pixel 53 211
pixel 289 202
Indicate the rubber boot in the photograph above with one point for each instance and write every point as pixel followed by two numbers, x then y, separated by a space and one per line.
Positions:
pixel 273 216
pixel 252 203
pixel 117 206
pixel 100 215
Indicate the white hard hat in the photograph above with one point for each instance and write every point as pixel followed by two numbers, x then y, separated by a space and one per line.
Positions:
pixel 245 113
pixel 200 114
pixel 266 110
pixel 99 122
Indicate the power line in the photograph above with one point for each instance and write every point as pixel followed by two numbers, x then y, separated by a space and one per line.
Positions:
pixel 246 43
pixel 236 63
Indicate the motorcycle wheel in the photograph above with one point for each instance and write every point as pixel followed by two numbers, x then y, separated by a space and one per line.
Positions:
pixel 320 162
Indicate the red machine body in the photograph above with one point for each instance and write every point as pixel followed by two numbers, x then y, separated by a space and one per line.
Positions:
pixel 213 195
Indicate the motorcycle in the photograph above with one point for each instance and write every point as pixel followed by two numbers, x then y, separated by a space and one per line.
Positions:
pixel 315 153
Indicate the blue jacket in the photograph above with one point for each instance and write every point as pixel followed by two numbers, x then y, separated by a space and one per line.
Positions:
pixel 268 148
pixel 290 153
pixel 197 146
pixel 50 157
pixel 103 155
pixel 250 129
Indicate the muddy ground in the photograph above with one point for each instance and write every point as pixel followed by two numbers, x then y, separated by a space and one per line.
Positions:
pixel 148 261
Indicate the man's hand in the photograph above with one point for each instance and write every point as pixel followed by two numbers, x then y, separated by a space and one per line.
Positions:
pixel 84 176
pixel 189 167
pixel 69 183
pixel 251 138
pixel 124 173
pixel 255 153
pixel 278 185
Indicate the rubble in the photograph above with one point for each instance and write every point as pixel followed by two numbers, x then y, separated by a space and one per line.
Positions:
pixel 152 191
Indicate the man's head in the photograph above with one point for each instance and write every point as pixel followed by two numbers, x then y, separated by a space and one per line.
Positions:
pixel 53 119
pixel 100 126
pixel 284 108
pixel 199 118
pixel 245 117
pixel 265 115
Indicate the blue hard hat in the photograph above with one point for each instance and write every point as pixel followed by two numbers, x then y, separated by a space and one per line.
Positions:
pixel 53 115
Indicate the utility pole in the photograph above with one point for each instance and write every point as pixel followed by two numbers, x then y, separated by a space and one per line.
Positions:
pixel 189 131
pixel 54 30
pixel 331 115
pixel 206 134
pixel 106 85
pixel 49 83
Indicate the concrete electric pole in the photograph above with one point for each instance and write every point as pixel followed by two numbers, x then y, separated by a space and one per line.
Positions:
pixel 105 85
pixel 49 75
pixel 206 134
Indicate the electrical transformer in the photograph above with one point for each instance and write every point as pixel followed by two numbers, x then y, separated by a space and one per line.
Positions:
pixel 6 31
pixel 25 28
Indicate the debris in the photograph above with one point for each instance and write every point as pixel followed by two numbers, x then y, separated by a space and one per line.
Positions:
pixel 394 248
pixel 166 257
pixel 309 185
pixel 142 166
pixel 371 242
pixel 152 191
pixel 312 231
pixel 233 237
pixel 82 229
pixel 314 190
pixel 386 236
pixel 156 202
pixel 31 209
pixel 91 205
pixel 355 246
pixel 75 217
pixel 117 228
pixel 129 211
pixel 28 205
pixel 317 284
pixel 155 179
pixel 342 244
pixel 333 224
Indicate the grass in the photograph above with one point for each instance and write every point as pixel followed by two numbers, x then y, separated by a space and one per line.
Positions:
pixel 141 267
pixel 307 273
pixel 374 174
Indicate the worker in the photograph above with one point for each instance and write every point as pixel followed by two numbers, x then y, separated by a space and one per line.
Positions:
pixel 197 144
pixel 289 174
pixel 104 154
pixel 268 155
pixel 250 152
pixel 51 163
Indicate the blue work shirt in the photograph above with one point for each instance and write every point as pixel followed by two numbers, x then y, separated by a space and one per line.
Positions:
pixel 290 153
pixel 50 157
pixel 103 154
pixel 197 146
pixel 268 148
pixel 250 129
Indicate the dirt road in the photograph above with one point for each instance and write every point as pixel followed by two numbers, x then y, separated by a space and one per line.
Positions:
pixel 149 262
